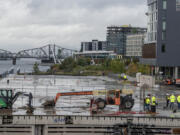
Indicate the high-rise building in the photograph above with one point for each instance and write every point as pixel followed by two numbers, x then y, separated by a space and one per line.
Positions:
pixel 134 45
pixel 116 37
pixel 162 47
pixel 95 45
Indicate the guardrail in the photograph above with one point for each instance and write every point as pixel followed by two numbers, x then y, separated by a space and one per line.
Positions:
pixel 87 125
pixel 88 120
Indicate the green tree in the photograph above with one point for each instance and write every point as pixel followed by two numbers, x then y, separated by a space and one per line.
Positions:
pixel 132 69
pixel 55 67
pixel 144 69
pixel 117 66
pixel 135 60
pixel 127 61
pixel 36 68
pixel 107 63
pixel 83 61
pixel 68 64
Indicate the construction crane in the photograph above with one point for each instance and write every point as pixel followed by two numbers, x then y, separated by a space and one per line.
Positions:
pixel 8 98
pixel 101 98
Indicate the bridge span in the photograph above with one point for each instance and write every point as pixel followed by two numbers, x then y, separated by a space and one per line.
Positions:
pixel 50 52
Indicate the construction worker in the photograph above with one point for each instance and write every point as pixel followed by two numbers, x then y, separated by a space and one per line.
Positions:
pixel 178 101
pixel 125 77
pixel 153 104
pixel 147 103
pixel 172 101
pixel 117 99
pixel 167 100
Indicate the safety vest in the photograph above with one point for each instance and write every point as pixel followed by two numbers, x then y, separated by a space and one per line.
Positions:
pixel 178 99
pixel 148 101
pixel 172 98
pixel 153 101
pixel 167 98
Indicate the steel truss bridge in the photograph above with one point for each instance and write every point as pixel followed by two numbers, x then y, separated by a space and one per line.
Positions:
pixel 51 52
pixel 5 54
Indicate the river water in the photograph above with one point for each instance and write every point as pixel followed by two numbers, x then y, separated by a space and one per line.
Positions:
pixel 25 65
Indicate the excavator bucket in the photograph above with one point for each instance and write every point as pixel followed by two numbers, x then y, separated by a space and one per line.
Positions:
pixel 49 103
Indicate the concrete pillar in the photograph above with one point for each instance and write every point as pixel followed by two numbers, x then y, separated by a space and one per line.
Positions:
pixel 33 130
pixel 45 130
pixel 176 73
pixel 38 130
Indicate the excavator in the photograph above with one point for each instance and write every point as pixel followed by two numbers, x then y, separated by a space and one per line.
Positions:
pixel 101 98
pixel 8 98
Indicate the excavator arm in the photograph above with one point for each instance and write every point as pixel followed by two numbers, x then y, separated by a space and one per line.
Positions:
pixel 29 108
pixel 15 97
pixel 53 102
pixel 23 94
pixel 30 99
pixel 72 94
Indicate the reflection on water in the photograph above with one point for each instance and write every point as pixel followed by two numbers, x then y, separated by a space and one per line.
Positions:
pixel 25 65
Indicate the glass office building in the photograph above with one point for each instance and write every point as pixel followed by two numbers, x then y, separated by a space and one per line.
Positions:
pixel 116 37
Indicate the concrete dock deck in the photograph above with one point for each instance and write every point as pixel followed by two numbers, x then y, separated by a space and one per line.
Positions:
pixel 84 125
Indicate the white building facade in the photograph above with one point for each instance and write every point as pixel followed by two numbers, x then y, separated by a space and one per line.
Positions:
pixel 134 45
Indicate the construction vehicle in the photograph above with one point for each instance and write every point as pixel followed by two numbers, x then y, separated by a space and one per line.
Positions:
pixel 8 98
pixel 101 98
pixel 122 98
pixel 169 81
pixel 177 82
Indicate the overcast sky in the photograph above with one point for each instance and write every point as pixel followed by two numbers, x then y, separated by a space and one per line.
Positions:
pixel 33 23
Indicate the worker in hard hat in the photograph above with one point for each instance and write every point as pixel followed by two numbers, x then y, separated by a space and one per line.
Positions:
pixel 147 103
pixel 153 104
pixel 172 101
pixel 178 101
pixel 167 100
pixel 125 77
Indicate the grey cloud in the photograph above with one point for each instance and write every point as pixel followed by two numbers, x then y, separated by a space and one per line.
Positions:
pixel 26 23
pixel 94 4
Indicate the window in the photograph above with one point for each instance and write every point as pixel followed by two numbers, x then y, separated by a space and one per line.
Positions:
pixel 177 5
pixel 156 5
pixel 99 45
pixel 156 15
pixel 163 48
pixel 164 14
pixel 164 25
pixel 163 35
pixel 164 4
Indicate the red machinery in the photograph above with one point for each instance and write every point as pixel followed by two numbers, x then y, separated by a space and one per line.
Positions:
pixel 111 97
